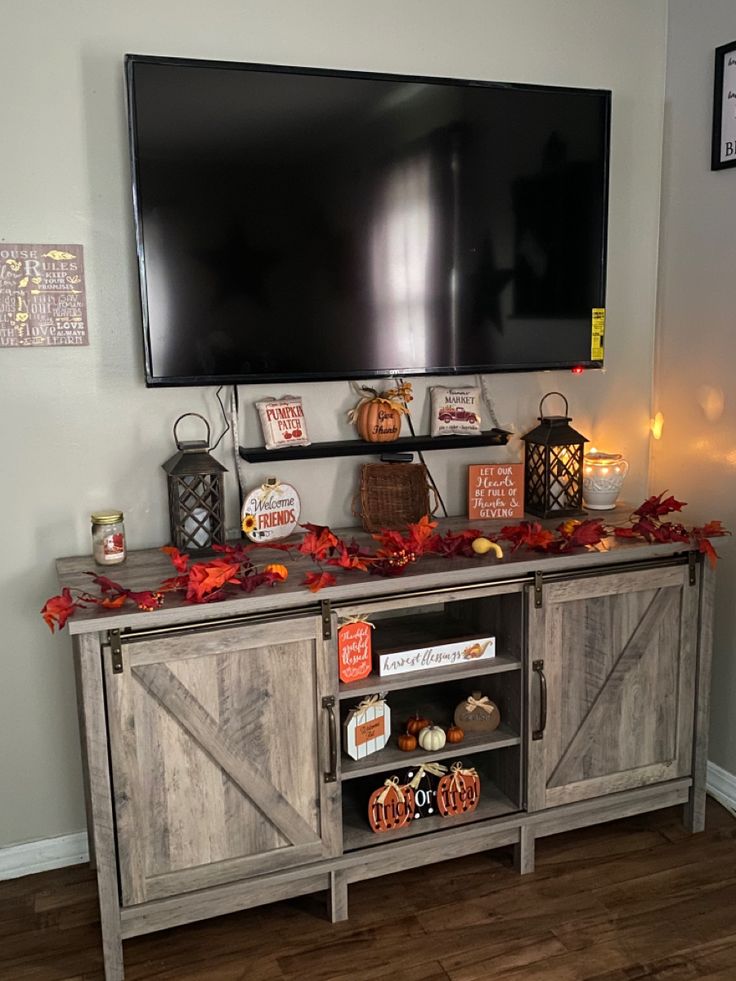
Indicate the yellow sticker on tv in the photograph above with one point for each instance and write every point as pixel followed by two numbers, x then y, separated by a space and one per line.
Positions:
pixel 597 333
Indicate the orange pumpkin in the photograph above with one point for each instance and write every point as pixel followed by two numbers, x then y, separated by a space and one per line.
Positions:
pixel 377 416
pixel 407 742
pixel 415 725
pixel 458 792
pixel 391 806
pixel 455 734
pixel 377 421
pixel 276 569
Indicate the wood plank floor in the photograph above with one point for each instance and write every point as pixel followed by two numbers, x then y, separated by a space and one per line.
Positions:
pixel 630 900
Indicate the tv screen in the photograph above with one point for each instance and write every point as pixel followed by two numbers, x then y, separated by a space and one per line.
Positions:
pixel 301 224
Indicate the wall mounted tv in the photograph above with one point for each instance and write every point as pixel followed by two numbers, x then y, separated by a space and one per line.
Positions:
pixel 303 224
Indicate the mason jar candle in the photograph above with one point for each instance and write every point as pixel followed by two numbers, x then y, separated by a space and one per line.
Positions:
pixel 108 537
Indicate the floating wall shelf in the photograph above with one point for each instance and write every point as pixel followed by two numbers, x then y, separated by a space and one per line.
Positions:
pixel 358 447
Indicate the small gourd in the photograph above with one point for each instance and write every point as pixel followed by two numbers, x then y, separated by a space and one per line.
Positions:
pixel 455 734
pixel 432 738
pixel 415 725
pixel 407 742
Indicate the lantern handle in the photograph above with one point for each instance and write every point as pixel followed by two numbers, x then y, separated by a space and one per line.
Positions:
pixel 176 438
pixel 541 414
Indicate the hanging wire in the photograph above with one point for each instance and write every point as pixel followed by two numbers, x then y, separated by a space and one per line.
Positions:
pixel 432 481
pixel 226 430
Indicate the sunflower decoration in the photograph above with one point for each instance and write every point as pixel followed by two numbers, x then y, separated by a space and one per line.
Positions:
pixel 249 523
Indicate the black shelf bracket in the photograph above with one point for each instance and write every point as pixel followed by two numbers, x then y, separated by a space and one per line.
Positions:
pixel 359 447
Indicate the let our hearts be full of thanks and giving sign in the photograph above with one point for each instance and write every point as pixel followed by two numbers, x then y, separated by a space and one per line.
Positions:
pixel 495 490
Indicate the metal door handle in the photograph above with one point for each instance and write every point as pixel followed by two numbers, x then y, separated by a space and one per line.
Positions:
pixel 538 668
pixel 328 703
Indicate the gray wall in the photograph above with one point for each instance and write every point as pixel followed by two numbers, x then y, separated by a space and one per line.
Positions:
pixel 696 347
pixel 80 431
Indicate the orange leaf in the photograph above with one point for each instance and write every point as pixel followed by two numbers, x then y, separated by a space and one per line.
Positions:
pixel 315 581
pixel 707 549
pixel 57 610
pixel 113 604
pixel 180 560
pixel 207 578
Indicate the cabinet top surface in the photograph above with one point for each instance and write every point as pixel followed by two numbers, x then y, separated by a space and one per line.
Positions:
pixel 147 568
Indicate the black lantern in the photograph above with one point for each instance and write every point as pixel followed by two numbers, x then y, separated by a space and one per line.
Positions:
pixel 196 497
pixel 553 466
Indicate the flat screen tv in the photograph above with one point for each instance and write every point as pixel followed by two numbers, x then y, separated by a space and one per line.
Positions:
pixel 303 224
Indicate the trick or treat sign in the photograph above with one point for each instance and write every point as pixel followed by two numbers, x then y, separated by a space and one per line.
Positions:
pixel 271 511
pixel 42 299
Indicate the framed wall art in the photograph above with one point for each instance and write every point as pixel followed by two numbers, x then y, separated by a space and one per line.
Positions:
pixel 723 152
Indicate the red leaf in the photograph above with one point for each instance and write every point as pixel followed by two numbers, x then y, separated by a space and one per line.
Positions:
pixel 713 529
pixel 456 543
pixel 318 542
pixel 170 585
pixel 625 533
pixel 235 553
pixel 315 581
pixel 57 610
pixel 707 549
pixel 582 533
pixel 208 578
pixel 180 560
pixel 146 599
pixel 107 585
pixel 348 560
pixel 656 507
pixel 529 534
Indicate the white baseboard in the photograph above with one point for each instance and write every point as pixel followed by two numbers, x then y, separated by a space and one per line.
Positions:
pixel 55 853
pixel 40 856
pixel 722 785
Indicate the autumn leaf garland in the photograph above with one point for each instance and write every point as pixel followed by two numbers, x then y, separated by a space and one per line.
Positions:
pixel 234 571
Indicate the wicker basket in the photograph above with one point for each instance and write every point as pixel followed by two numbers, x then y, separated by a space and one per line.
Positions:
pixel 393 495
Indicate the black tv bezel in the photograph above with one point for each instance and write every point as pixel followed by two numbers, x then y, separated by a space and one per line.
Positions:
pixel 156 381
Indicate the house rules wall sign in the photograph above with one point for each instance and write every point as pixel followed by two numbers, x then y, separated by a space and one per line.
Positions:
pixel 42 296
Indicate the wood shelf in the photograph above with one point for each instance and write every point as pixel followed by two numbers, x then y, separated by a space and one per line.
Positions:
pixel 359 447
pixel 414 679
pixel 392 757
pixel 357 832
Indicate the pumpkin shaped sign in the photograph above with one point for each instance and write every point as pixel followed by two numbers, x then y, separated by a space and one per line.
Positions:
pixel 458 792
pixel 477 713
pixel 391 806
pixel 377 416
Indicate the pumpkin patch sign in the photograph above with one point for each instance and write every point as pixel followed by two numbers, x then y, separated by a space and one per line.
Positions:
pixel 283 422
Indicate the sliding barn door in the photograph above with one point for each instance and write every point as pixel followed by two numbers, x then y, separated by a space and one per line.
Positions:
pixel 219 746
pixel 615 655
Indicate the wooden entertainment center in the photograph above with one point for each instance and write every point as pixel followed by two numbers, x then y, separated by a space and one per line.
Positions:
pixel 211 734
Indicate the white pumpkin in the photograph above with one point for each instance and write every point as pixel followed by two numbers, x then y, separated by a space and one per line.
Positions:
pixel 432 738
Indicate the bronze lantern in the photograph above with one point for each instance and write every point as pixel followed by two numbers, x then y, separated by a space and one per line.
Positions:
pixel 553 466
pixel 196 494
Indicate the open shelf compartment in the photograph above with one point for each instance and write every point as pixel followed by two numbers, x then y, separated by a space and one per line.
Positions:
pixel 500 794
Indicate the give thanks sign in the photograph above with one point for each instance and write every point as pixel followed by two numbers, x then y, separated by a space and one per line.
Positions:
pixel 495 490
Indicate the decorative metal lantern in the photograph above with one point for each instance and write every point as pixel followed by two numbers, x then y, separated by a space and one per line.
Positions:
pixel 553 466
pixel 196 496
